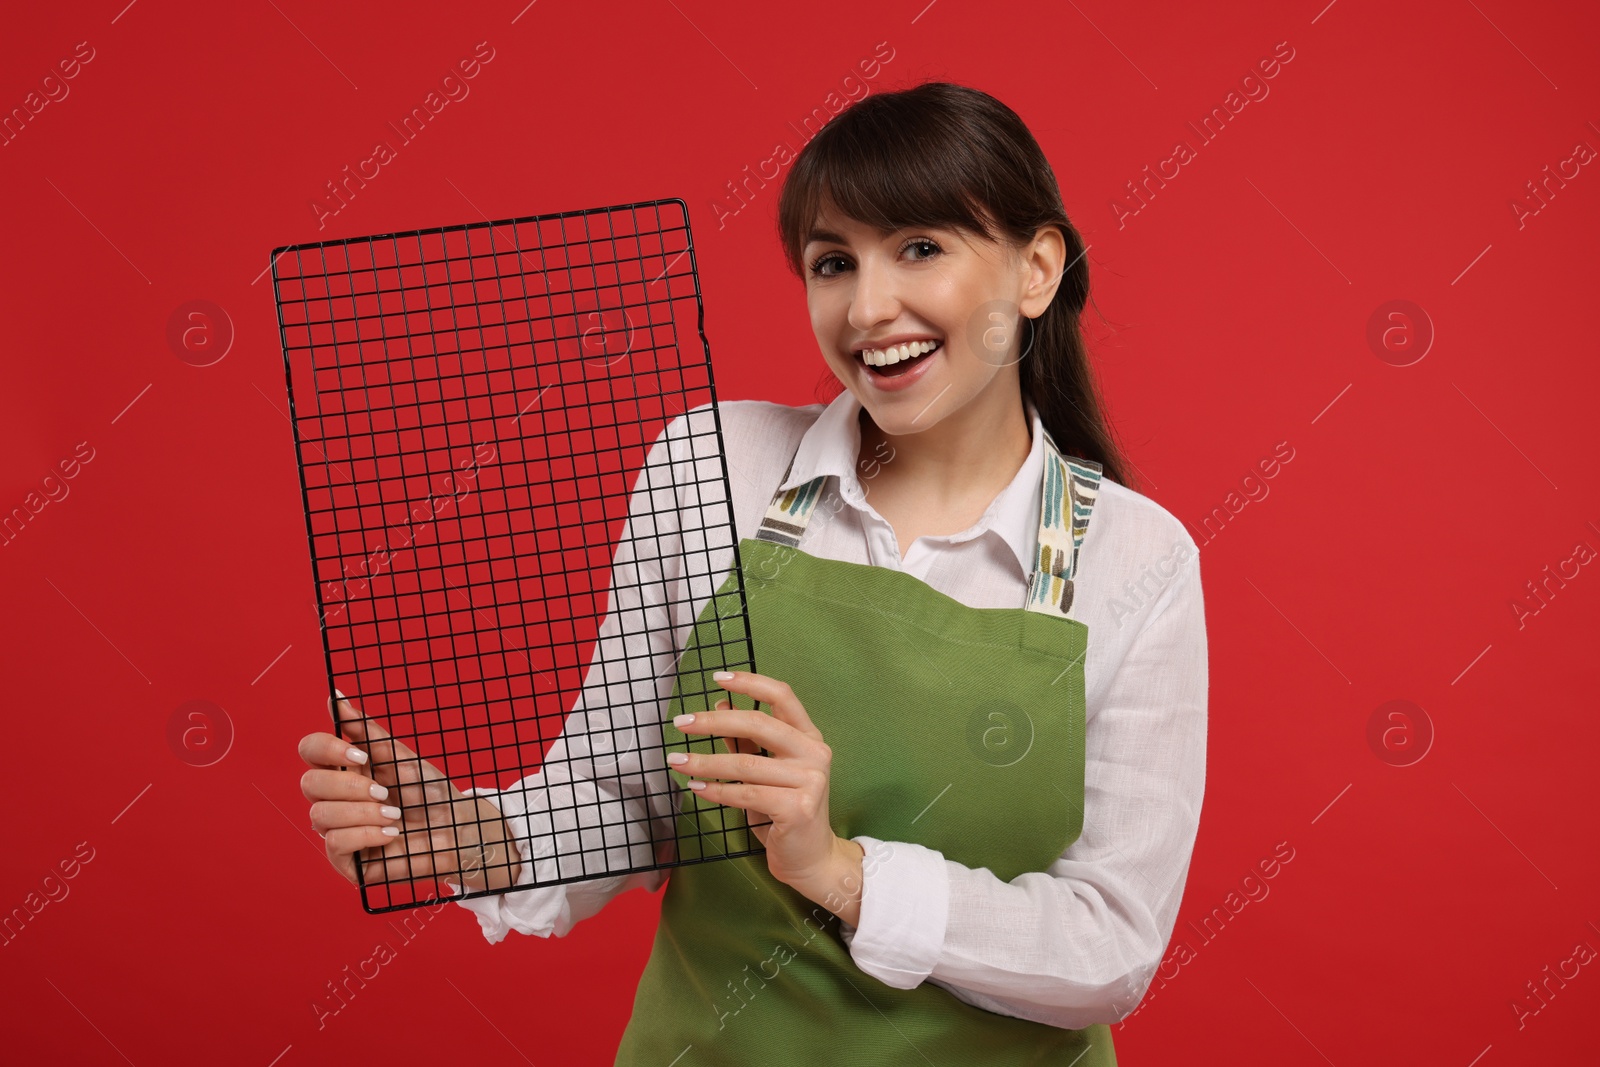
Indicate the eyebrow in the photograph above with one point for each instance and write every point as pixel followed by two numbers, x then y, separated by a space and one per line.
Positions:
pixel 825 235
pixel 828 236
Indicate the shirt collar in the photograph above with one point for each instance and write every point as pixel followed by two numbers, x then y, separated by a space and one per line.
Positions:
pixel 832 445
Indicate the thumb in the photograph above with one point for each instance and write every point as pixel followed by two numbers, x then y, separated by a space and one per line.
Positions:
pixel 361 729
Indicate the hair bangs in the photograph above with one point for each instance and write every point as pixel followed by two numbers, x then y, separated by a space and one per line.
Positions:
pixel 886 170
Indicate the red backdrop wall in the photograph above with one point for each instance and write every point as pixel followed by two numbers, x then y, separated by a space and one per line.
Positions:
pixel 1375 264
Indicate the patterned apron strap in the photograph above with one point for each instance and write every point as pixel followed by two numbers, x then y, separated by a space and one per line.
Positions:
pixel 1071 486
pixel 790 510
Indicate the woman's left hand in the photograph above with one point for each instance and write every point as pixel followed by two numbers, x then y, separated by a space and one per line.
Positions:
pixel 790 787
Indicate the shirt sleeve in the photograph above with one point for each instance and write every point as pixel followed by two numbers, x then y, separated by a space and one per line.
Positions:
pixel 602 800
pixel 1077 943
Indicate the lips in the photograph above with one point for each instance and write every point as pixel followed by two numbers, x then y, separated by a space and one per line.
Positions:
pixel 896 357
pixel 902 374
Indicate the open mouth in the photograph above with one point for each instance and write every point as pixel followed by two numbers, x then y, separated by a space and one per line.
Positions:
pixel 897 359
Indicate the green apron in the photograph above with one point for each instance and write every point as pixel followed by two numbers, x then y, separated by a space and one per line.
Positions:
pixel 957 728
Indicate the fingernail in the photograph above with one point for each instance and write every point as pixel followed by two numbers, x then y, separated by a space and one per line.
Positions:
pixel 392 831
pixel 378 792
pixel 683 720
pixel 340 695
pixel 696 784
pixel 355 755
pixel 676 758
pixel 722 676
pixel 389 811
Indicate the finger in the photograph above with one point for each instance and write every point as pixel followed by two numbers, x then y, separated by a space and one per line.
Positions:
pixel 422 794
pixel 328 750
pixel 364 730
pixel 321 783
pixel 779 738
pixel 417 797
pixel 396 866
pixel 739 744
pixel 336 814
pixel 775 694
pixel 355 724
pixel 413 856
pixel 773 802
pixel 742 767
pixel 347 840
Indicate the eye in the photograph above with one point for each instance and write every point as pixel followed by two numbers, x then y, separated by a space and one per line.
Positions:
pixel 820 262
pixel 930 249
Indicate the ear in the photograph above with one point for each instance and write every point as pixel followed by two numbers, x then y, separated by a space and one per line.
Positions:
pixel 1043 261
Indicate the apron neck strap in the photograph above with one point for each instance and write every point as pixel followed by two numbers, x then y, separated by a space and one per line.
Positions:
pixel 1070 488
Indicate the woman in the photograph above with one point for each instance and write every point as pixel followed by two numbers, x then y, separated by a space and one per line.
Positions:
pixel 984 758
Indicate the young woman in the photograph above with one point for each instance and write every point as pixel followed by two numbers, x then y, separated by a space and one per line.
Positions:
pixel 983 654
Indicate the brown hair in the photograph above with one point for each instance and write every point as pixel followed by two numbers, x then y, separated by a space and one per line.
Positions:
pixel 940 154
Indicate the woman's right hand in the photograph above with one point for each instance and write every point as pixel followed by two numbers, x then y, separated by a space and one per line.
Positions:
pixel 374 797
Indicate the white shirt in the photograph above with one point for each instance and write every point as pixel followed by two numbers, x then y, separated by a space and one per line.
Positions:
pixel 1070 946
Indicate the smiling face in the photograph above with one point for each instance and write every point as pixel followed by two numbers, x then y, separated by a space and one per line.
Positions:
pixel 921 324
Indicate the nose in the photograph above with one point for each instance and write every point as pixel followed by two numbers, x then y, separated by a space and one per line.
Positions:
pixel 874 298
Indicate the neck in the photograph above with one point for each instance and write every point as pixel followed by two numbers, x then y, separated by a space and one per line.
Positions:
pixel 969 453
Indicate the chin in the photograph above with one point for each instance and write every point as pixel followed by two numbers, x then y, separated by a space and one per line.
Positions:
pixel 897 420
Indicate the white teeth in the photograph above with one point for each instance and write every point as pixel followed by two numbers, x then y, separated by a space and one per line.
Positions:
pixel 883 357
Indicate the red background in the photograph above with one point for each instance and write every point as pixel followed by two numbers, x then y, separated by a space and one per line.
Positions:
pixel 1383 564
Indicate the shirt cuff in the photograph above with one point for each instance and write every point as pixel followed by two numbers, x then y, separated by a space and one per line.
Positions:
pixel 905 907
pixel 542 912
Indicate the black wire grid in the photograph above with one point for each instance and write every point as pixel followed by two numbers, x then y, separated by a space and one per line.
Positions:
pixel 472 406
